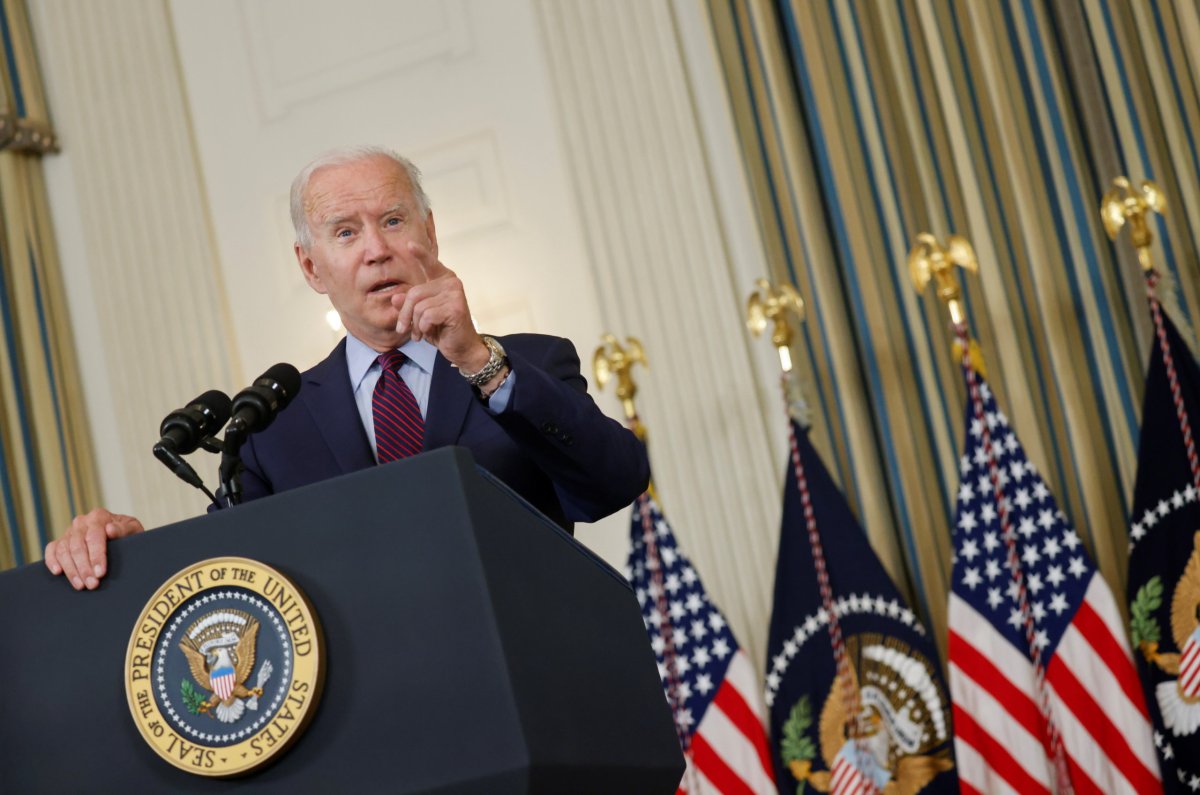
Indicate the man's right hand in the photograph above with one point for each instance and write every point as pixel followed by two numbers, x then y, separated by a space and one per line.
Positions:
pixel 81 553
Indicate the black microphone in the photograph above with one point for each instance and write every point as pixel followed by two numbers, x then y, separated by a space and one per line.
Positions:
pixel 183 430
pixel 255 407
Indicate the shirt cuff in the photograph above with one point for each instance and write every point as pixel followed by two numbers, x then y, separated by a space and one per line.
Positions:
pixel 498 401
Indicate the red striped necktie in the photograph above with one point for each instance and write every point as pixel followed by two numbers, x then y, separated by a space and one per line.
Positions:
pixel 399 427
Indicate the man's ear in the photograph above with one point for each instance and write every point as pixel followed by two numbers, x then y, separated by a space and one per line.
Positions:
pixel 431 233
pixel 309 269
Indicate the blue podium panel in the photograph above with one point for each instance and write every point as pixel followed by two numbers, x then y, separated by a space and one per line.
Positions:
pixel 471 646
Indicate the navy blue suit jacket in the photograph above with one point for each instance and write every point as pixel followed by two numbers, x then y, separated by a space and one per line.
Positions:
pixel 552 445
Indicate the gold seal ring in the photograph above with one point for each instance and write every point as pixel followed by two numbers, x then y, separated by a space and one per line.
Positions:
pixel 224 667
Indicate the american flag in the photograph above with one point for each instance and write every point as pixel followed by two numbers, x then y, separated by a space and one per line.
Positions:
pixel 709 682
pixel 1100 736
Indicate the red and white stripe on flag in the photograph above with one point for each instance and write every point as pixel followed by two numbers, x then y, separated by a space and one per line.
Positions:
pixel 729 751
pixel 1096 702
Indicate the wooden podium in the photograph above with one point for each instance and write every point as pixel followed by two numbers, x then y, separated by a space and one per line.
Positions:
pixel 471 647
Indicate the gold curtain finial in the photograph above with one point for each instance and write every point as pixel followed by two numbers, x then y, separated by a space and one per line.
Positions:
pixel 771 304
pixel 929 259
pixel 612 360
pixel 1125 204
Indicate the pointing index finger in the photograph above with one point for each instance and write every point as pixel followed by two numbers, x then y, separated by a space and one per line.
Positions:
pixel 432 266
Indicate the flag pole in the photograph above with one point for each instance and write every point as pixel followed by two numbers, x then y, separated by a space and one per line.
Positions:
pixel 1125 206
pixel 613 361
pixel 929 260
pixel 777 305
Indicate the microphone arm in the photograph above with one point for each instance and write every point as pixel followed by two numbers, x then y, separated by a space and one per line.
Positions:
pixel 182 469
pixel 254 409
pixel 230 472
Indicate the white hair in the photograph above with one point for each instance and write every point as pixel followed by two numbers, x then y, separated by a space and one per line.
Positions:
pixel 341 157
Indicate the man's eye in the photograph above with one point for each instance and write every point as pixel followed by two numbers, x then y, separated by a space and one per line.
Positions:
pixel 342 233
pixel 394 221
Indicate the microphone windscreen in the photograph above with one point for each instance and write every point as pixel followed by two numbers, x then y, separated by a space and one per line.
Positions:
pixel 283 377
pixel 219 406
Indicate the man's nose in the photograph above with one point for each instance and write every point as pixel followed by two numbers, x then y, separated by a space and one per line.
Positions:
pixel 375 248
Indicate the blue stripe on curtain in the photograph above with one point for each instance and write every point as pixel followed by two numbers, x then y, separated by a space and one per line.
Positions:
pixel 814 307
pixel 1080 220
pixel 1178 92
pixel 834 210
pixel 56 395
pixel 13 70
pixel 19 390
pixel 945 490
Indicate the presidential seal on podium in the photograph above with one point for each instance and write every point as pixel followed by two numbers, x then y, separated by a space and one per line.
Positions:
pixel 224 667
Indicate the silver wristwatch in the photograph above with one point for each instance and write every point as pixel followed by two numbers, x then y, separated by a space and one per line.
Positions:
pixel 495 363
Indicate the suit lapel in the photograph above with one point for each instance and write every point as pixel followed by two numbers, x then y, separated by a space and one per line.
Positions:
pixel 329 398
pixel 450 398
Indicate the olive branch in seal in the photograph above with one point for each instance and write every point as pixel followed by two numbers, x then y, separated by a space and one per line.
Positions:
pixel 797 746
pixel 192 698
pixel 1149 598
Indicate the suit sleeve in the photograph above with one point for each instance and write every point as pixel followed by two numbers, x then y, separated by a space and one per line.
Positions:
pixel 596 464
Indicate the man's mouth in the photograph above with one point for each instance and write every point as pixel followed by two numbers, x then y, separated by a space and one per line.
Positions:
pixel 384 287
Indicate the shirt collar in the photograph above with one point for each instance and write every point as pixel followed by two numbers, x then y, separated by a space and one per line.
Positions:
pixel 360 357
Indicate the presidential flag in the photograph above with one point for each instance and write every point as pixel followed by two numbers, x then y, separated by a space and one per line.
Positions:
pixel 1041 675
pixel 1164 558
pixel 708 680
pixel 884 724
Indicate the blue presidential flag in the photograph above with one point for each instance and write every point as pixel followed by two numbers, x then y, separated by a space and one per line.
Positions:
pixel 886 721
pixel 1164 558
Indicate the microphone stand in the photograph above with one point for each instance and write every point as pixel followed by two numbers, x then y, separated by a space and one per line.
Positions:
pixel 231 464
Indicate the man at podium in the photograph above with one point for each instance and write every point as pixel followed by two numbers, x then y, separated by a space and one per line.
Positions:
pixel 412 374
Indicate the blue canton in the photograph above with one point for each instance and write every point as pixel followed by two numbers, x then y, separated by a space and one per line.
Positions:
pixel 1056 567
pixel 676 606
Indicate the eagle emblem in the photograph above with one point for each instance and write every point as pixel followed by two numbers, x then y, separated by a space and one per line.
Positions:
pixel 899 741
pixel 220 648
pixel 1179 698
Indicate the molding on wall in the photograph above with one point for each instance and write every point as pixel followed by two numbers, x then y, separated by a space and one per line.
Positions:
pixel 132 224
pixel 289 71
pixel 666 273
pixel 466 179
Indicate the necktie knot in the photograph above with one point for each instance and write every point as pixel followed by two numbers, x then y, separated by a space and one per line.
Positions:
pixel 391 360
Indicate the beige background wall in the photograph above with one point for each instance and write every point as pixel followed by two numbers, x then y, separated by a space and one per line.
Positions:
pixel 584 178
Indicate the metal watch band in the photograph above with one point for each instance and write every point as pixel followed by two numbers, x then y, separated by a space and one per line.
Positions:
pixel 495 363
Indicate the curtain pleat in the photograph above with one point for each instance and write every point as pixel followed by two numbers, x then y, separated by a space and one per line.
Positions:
pixel 864 123
pixel 46 468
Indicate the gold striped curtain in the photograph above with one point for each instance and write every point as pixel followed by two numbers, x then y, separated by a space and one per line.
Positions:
pixel 864 123
pixel 46 468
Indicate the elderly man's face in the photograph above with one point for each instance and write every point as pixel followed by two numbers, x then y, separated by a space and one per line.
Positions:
pixel 362 217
